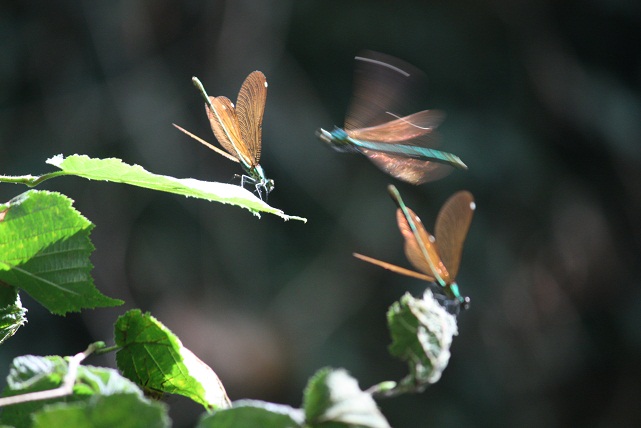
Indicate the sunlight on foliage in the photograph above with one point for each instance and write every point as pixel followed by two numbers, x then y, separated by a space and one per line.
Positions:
pixel 45 249
pixel 153 357
pixel 422 332
pixel 12 313
pixel 254 413
pixel 117 171
pixel 332 396
pixel 99 394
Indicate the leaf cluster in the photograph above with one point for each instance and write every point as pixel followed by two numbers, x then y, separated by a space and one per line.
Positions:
pixel 45 247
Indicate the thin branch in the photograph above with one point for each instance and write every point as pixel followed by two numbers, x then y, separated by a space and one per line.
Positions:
pixel 106 350
pixel 66 388
pixel 30 180
pixel 390 388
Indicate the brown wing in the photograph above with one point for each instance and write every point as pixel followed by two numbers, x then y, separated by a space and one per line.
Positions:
pixel 393 268
pixel 400 129
pixel 414 171
pixel 250 107
pixel 414 249
pixel 224 123
pixel 451 228
pixel 382 84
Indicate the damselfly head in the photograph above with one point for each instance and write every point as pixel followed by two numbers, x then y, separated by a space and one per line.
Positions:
pixel 337 140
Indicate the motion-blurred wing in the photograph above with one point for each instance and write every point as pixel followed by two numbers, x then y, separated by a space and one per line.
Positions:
pixel 382 84
pixel 410 170
pixel 402 128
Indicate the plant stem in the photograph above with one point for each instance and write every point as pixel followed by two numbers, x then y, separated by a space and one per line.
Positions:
pixel 30 180
pixel 66 388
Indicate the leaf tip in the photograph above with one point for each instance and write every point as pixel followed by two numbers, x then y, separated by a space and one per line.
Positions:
pixel 293 217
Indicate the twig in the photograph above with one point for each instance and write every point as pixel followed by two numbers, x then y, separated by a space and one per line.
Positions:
pixel 66 388
pixel 30 180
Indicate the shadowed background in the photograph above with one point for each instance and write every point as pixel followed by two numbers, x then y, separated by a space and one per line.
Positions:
pixel 543 103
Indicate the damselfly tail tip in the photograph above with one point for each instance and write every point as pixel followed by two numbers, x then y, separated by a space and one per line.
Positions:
pixel 393 191
pixel 180 128
pixel 460 164
pixel 396 197
pixel 199 86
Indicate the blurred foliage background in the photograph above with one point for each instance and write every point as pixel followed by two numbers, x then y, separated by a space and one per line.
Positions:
pixel 543 103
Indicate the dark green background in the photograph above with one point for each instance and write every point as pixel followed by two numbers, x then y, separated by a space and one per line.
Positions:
pixel 543 103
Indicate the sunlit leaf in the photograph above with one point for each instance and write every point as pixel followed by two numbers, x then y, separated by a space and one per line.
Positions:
pixel 115 170
pixel 422 332
pixel 253 413
pixel 333 399
pixel 123 410
pixel 45 249
pixel 153 357
pixel 31 373
pixel 12 313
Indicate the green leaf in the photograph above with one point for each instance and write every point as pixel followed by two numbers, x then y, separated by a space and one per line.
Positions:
pixel 152 356
pixel 12 314
pixel 333 399
pixel 27 374
pixel 31 373
pixel 253 413
pixel 123 410
pixel 117 171
pixel 422 332
pixel 45 249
